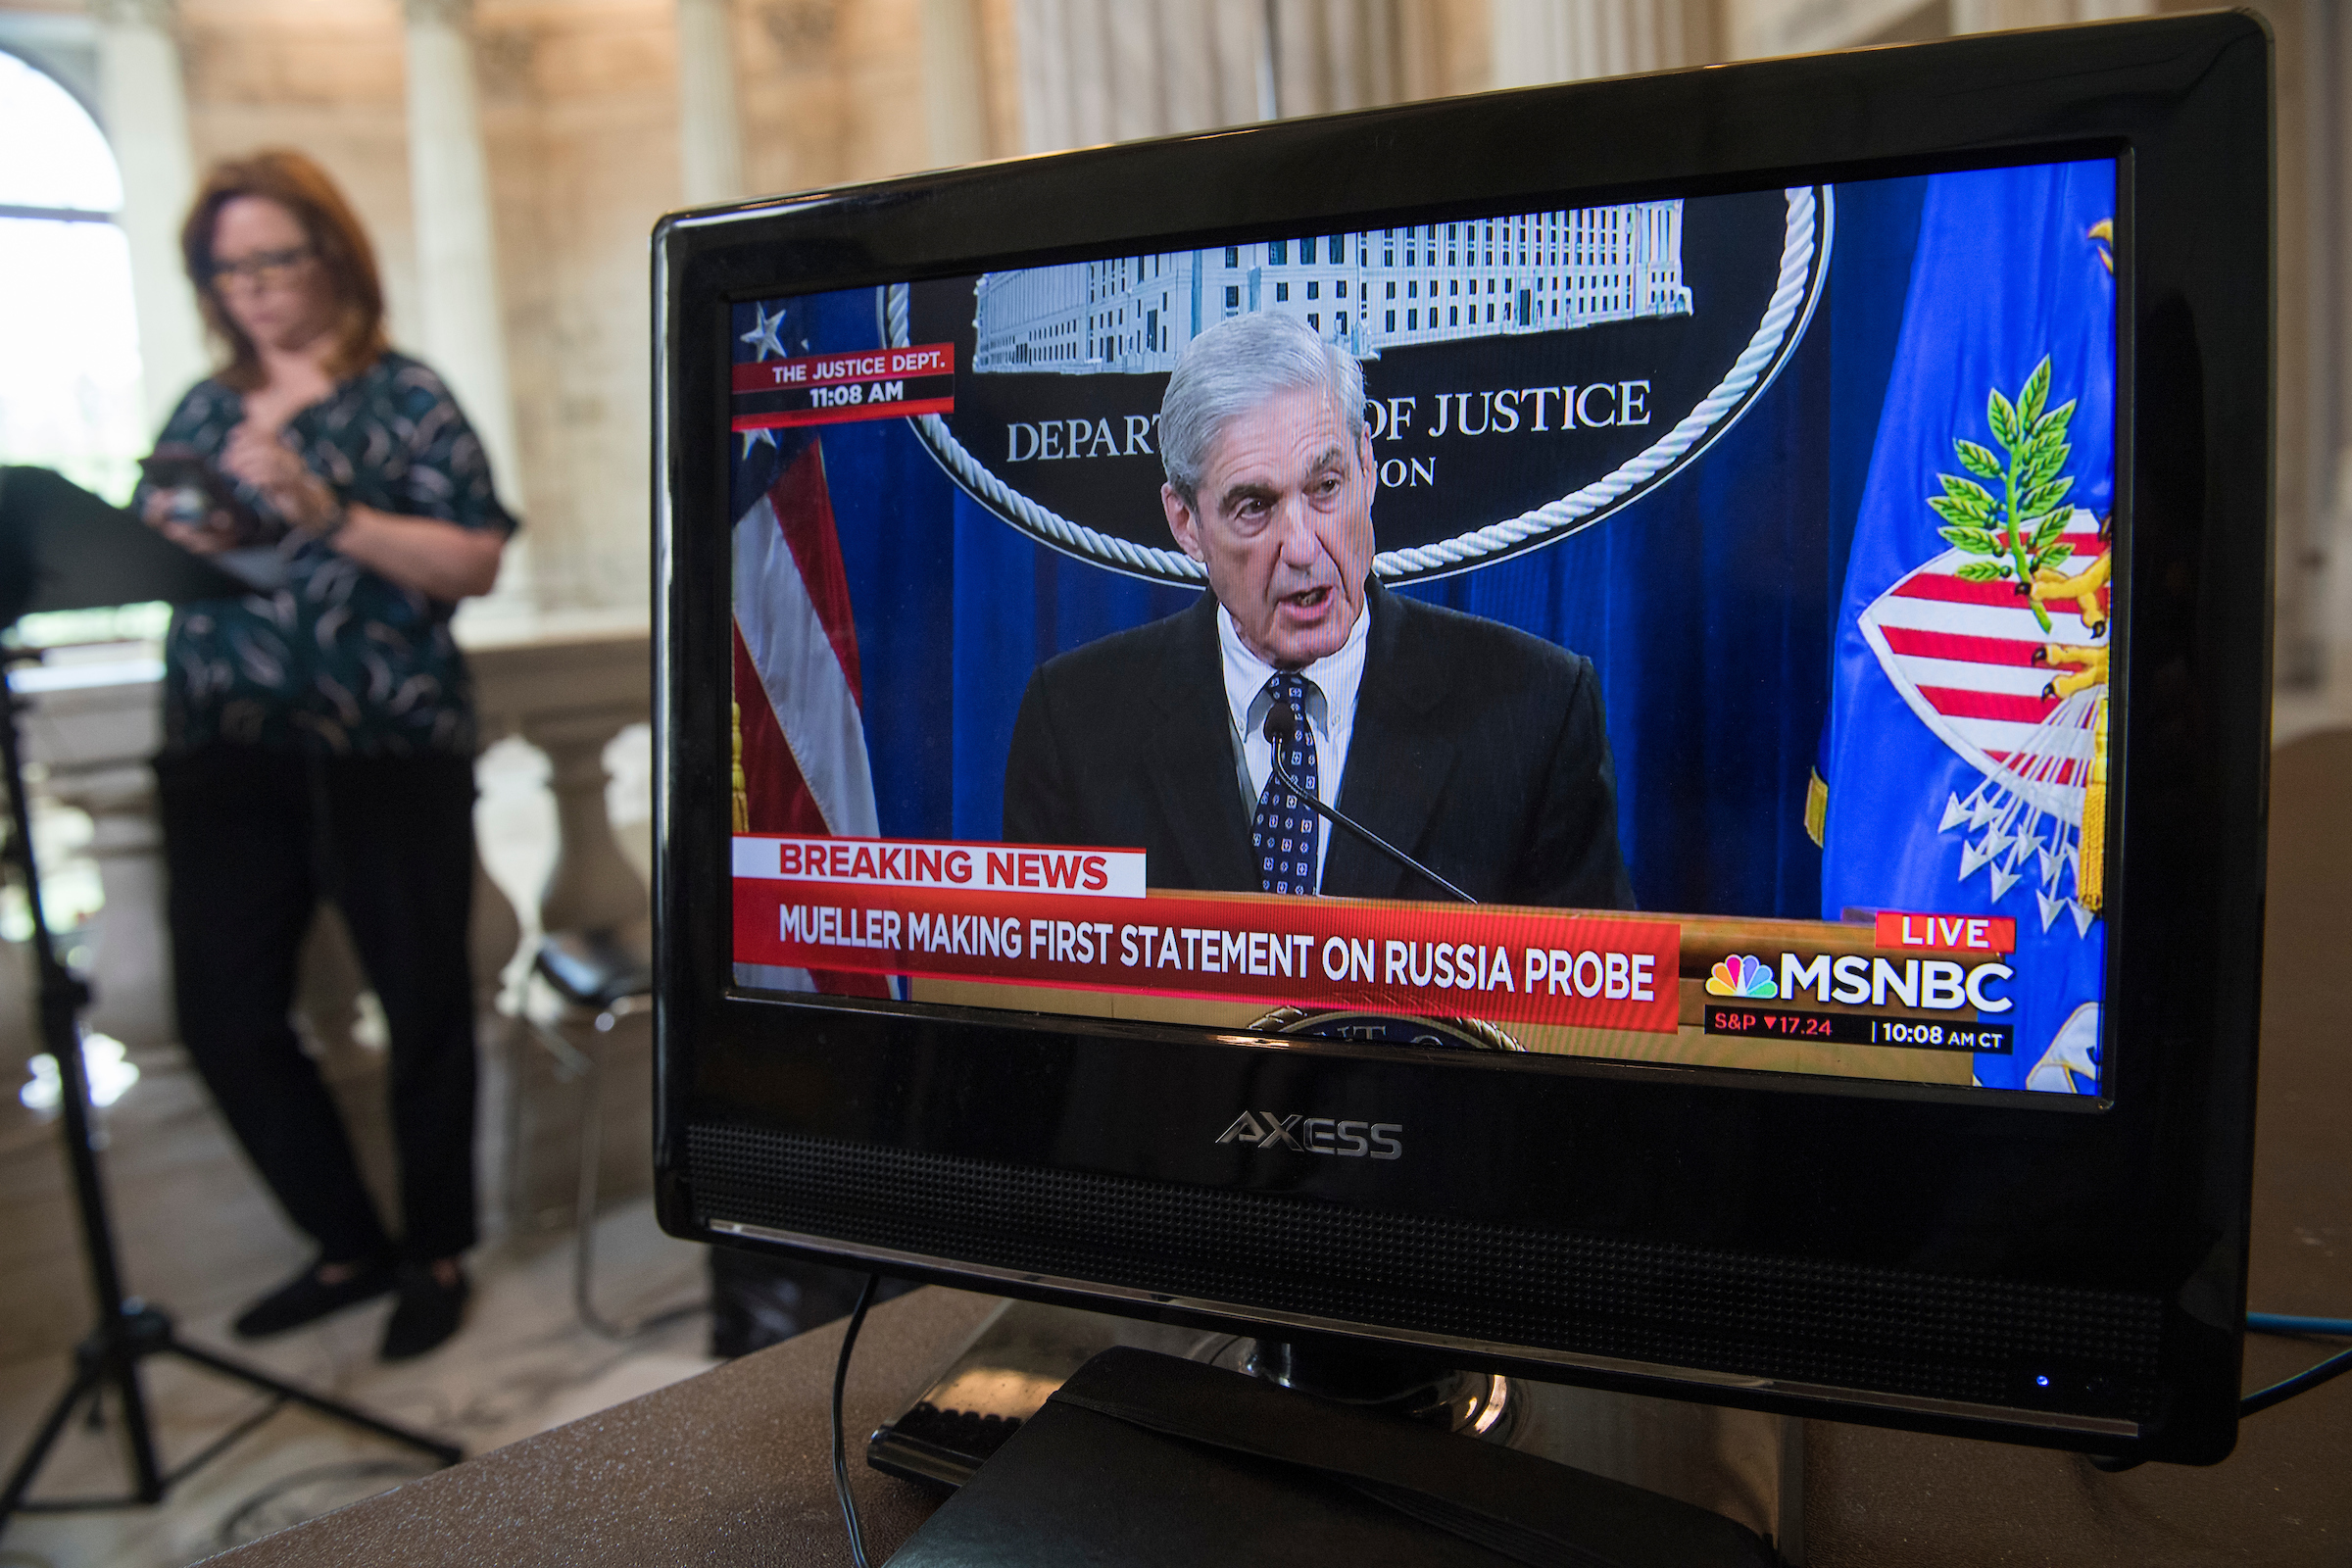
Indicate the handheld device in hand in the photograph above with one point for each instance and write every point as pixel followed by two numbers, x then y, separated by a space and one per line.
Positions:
pixel 201 493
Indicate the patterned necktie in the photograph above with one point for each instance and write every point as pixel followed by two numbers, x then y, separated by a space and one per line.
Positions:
pixel 1283 833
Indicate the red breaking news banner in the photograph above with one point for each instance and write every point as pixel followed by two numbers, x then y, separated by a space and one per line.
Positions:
pixel 1508 965
pixel 835 388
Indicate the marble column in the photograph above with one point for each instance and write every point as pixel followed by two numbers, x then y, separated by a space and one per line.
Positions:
pixel 709 135
pixel 456 253
pixel 146 113
pixel 954 102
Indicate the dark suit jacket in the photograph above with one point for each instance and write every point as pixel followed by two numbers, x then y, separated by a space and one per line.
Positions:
pixel 1478 750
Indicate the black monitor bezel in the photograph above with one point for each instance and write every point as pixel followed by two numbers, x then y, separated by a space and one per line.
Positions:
pixel 2153 1180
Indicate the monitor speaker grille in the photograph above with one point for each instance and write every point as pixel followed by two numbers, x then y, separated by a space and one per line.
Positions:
pixel 1924 1335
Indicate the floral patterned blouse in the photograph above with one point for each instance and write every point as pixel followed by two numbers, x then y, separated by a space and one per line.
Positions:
pixel 340 660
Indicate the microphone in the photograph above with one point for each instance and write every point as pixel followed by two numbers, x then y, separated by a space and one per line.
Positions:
pixel 1282 721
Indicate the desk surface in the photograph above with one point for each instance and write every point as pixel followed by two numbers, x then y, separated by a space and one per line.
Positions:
pixel 734 1466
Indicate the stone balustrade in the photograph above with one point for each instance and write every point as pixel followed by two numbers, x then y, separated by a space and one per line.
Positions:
pixel 566 685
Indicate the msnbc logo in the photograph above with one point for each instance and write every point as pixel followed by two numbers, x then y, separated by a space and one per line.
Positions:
pixel 1742 976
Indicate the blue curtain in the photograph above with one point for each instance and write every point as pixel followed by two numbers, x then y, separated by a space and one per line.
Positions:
pixel 2009 273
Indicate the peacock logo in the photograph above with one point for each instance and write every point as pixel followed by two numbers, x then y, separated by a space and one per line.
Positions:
pixel 1742 976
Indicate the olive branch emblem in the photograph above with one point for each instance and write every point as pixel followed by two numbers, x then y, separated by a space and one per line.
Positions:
pixel 2016 532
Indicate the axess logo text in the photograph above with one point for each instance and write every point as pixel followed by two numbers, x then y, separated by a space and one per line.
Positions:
pixel 1317 1135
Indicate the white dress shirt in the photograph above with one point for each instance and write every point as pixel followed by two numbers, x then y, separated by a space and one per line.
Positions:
pixel 1330 716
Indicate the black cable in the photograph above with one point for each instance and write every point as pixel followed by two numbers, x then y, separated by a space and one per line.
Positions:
pixel 2311 1377
pixel 841 1464
pixel 1282 720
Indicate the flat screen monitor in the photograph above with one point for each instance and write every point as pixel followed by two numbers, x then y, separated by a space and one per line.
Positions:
pixel 1615 730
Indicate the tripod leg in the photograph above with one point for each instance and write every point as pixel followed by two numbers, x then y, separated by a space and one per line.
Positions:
pixel 62 996
pixel 86 1381
pixel 446 1453
pixel 137 1436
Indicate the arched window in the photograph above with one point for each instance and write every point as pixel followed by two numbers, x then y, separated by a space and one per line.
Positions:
pixel 69 394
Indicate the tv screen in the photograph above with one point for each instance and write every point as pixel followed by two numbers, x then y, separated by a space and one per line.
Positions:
pixel 1617 731
pixel 1765 716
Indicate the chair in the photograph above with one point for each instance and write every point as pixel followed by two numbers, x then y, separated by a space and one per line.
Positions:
pixel 595 972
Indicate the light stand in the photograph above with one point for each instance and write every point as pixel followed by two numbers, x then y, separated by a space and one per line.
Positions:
pixel 129 1331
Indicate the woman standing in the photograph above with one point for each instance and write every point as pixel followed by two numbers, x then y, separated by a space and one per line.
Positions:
pixel 318 738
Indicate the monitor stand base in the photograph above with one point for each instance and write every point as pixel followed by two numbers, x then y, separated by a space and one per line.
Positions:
pixel 1413 1387
pixel 1746 1466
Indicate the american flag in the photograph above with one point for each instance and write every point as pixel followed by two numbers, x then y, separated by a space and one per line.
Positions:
pixel 797 699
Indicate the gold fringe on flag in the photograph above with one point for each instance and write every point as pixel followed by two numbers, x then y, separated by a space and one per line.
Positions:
pixel 2090 854
pixel 743 792
pixel 1817 809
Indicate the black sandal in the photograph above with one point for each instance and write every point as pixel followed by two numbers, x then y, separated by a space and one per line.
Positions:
pixel 427 1314
pixel 305 1297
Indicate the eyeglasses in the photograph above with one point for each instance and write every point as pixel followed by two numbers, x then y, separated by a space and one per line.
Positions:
pixel 263 269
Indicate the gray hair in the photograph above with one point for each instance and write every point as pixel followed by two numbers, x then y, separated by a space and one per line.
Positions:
pixel 1233 367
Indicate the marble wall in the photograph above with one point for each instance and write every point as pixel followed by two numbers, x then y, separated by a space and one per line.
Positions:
pixel 580 113
pixel 579 124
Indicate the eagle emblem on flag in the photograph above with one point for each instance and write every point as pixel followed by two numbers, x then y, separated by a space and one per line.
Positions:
pixel 1998 645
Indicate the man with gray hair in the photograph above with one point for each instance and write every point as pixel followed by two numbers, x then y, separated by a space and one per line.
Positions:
pixel 1477 749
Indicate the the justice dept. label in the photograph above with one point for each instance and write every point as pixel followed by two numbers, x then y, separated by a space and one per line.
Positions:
pixel 834 388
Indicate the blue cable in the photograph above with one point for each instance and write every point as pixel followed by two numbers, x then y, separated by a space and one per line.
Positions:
pixel 2287 1323
pixel 2310 1376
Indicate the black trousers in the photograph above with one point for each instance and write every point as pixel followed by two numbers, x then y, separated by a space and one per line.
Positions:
pixel 252 840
